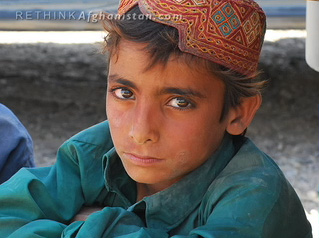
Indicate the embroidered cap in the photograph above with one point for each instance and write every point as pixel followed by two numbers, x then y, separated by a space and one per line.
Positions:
pixel 227 32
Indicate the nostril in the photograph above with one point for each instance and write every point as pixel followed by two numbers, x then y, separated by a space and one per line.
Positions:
pixel 143 134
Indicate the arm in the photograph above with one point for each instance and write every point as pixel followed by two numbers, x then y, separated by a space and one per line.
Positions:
pixel 40 202
pixel 118 222
pixel 112 222
pixel 240 210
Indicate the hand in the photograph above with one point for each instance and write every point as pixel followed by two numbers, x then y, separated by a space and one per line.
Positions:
pixel 85 212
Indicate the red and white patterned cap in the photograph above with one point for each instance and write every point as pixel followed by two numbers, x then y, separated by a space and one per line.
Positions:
pixel 227 32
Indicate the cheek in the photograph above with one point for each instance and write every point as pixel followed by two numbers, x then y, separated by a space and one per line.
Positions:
pixel 114 113
pixel 184 163
pixel 184 160
pixel 195 132
pixel 197 140
pixel 117 118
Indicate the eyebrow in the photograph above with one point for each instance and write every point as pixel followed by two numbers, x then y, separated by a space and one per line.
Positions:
pixel 168 90
pixel 118 79
pixel 182 92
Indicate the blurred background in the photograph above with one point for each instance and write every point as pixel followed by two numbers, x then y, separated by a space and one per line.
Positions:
pixel 53 76
pixel 72 14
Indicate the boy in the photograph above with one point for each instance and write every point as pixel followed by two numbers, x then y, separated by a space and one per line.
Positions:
pixel 172 160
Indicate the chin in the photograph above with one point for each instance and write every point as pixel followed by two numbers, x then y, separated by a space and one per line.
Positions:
pixel 144 178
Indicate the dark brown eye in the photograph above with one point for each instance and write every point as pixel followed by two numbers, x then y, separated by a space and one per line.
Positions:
pixel 180 102
pixel 123 93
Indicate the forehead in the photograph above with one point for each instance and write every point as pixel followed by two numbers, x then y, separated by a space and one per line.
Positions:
pixel 132 59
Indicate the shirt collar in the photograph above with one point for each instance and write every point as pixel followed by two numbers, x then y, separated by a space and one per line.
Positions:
pixel 168 208
pixel 117 180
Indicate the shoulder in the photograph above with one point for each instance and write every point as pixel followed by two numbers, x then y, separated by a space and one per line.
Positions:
pixel 98 134
pixel 13 133
pixel 94 141
pixel 251 167
pixel 4 110
pixel 253 172
pixel 252 185
pixel 8 120
pixel 249 174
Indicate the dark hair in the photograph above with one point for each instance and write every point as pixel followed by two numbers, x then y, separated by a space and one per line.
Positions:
pixel 162 42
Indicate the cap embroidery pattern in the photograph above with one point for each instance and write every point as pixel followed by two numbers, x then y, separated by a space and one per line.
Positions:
pixel 227 32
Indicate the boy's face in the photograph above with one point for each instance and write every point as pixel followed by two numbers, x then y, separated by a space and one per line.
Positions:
pixel 165 122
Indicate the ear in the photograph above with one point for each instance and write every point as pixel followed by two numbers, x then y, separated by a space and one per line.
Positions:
pixel 240 117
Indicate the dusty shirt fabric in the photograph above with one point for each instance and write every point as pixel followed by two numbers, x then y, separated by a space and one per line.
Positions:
pixel 16 147
pixel 238 192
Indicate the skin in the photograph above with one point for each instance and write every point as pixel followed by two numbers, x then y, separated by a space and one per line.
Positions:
pixel 164 121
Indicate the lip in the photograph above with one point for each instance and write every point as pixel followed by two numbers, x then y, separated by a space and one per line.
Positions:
pixel 142 160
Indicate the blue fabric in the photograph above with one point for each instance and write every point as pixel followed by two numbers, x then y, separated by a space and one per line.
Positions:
pixel 16 147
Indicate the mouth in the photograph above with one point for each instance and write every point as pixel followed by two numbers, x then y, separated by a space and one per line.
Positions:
pixel 141 160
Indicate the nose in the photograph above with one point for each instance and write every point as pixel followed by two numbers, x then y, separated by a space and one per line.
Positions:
pixel 145 124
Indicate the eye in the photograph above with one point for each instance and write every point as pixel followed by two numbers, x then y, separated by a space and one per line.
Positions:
pixel 180 103
pixel 123 93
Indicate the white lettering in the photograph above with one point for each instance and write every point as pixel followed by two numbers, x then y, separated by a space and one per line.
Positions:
pixel 82 16
pixel 38 14
pixel 28 15
pixel 46 15
pixel 19 15
pixel 71 15
pixel 89 16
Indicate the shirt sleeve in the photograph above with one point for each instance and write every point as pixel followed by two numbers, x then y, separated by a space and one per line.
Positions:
pixel 244 210
pixel 112 222
pixel 40 202
pixel 221 223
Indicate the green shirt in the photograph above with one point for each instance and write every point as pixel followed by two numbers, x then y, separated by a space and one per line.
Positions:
pixel 238 192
